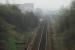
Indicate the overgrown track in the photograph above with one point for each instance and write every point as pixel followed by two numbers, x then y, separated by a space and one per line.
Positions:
pixel 40 42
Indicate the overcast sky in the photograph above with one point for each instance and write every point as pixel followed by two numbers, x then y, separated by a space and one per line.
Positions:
pixel 44 4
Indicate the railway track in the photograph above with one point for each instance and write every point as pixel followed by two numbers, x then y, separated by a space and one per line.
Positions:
pixel 40 42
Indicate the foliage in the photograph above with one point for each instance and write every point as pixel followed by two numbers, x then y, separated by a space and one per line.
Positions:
pixel 67 23
pixel 14 24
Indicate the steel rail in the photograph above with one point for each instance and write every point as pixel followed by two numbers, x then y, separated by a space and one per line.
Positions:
pixel 43 39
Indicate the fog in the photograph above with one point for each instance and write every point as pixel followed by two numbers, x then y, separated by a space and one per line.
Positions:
pixel 43 4
pixel 37 24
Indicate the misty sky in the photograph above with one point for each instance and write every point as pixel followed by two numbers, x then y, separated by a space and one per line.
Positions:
pixel 44 4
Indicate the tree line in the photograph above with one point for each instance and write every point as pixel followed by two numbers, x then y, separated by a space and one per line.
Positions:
pixel 14 23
